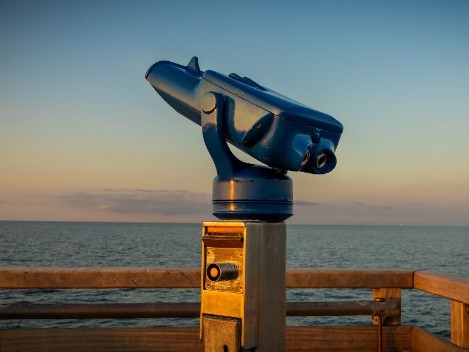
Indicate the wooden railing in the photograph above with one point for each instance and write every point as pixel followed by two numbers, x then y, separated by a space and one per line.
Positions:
pixel 384 305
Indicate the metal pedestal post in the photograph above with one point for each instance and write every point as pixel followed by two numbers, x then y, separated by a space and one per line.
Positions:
pixel 243 286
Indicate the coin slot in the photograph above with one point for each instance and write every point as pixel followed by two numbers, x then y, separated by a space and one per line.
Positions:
pixel 222 271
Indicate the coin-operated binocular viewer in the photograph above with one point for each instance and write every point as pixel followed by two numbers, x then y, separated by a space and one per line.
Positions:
pixel 243 256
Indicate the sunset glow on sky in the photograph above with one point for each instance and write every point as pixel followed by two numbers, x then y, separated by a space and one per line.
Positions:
pixel 84 137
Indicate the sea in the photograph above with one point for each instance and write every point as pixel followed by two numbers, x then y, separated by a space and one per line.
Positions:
pixel 162 245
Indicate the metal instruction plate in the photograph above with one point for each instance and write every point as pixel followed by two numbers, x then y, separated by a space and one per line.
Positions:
pixel 220 255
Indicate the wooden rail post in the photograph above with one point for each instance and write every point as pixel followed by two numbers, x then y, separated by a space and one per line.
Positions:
pixel 460 324
pixel 389 295
pixel 243 286
pixel 381 295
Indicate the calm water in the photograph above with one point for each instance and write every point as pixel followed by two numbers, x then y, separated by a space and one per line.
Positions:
pixel 62 244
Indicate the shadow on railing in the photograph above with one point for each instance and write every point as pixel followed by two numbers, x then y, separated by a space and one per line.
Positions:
pixel 384 306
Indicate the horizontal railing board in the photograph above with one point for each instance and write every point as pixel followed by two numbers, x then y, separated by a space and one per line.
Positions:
pixel 342 308
pixel 99 311
pixel 450 286
pixel 349 338
pixel 100 340
pixel 350 278
pixel 97 278
pixel 423 341
pixel 181 310
pixel 321 339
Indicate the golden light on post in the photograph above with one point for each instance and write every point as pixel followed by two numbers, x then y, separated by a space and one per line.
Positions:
pixel 243 280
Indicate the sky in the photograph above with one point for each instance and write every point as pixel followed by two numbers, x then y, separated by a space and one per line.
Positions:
pixel 84 137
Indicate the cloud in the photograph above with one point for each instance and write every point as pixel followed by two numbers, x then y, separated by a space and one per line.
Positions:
pixel 305 203
pixel 374 206
pixel 140 201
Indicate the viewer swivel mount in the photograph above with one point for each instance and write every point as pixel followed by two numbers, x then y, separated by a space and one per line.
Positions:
pixel 243 256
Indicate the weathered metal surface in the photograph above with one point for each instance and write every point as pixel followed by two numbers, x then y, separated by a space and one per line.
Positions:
pixel 221 334
pixel 230 259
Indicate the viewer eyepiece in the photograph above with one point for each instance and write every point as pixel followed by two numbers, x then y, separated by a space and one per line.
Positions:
pixel 321 160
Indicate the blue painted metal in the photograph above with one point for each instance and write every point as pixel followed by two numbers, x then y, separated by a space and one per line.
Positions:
pixel 272 128
pixel 241 191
